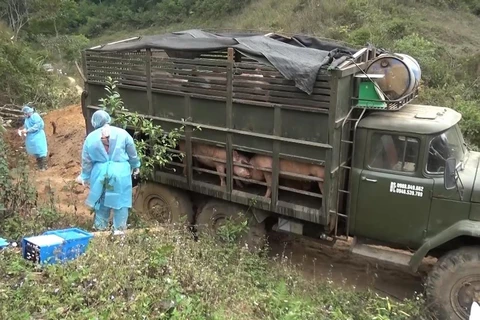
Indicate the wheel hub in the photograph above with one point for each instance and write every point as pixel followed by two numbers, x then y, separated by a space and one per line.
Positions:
pixel 464 293
pixel 218 221
pixel 158 207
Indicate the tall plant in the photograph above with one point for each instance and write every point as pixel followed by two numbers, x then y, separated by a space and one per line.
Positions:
pixel 151 141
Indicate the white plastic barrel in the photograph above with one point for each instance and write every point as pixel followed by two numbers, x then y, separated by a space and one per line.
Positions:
pixel 401 72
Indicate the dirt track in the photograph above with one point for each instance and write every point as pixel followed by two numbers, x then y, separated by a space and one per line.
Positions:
pixel 65 130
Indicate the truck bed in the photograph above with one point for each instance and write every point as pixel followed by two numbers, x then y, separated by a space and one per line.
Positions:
pixel 240 104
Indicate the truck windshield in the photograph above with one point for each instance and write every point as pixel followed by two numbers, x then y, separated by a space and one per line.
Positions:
pixel 446 145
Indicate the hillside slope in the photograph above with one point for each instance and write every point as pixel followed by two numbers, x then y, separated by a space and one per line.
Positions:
pixel 442 35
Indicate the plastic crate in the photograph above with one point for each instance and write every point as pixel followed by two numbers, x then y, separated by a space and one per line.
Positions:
pixel 41 249
pixel 56 245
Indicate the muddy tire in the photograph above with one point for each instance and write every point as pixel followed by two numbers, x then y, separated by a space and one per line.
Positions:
pixel 215 214
pixel 454 283
pixel 165 204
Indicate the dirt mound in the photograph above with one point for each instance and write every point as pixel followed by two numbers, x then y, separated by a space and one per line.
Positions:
pixel 65 129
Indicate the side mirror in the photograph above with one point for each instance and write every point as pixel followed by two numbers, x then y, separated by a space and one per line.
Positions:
pixel 449 178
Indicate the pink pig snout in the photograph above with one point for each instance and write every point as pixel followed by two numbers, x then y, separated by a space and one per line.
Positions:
pixel 241 171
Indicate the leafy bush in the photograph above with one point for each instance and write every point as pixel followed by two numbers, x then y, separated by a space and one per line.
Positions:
pixel 151 141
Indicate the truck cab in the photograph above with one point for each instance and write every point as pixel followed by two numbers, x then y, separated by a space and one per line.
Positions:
pixel 402 167
pixel 415 187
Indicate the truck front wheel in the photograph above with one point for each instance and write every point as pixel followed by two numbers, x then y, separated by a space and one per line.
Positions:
pixel 454 283
pixel 216 216
pixel 165 204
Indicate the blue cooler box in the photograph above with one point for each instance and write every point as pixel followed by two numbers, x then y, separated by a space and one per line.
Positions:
pixel 56 245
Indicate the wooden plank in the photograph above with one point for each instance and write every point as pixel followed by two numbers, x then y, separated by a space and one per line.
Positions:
pixel 320 84
pixel 97 78
pixel 121 59
pixel 266 93
pixel 275 179
pixel 173 86
pixel 118 74
pixel 198 62
pixel 135 71
pixel 203 91
pixel 148 59
pixel 253 66
pixel 115 56
pixel 192 95
pixel 267 70
pixel 177 66
pixel 188 141
pixel 229 122
pixel 114 53
pixel 277 87
pixel 211 80
pixel 267 73
pixel 286 101
pixel 116 59
pixel 305 193
pixel 194 73
pixel 114 65
pixel 130 77
pixel 133 83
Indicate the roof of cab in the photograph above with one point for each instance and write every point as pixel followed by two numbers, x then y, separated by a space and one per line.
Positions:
pixel 412 118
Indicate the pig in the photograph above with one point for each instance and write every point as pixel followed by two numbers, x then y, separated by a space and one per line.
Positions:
pixel 265 162
pixel 218 153
pixel 296 184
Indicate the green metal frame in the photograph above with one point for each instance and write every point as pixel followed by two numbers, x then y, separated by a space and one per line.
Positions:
pixel 341 85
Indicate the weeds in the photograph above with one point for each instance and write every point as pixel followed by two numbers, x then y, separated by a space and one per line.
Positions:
pixel 166 275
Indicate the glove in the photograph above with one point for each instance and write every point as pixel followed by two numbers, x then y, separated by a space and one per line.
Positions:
pixel 136 172
pixel 79 180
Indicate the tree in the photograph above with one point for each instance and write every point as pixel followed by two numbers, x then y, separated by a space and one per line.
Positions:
pixel 17 13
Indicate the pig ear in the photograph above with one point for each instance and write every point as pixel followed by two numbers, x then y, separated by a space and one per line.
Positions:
pixel 235 153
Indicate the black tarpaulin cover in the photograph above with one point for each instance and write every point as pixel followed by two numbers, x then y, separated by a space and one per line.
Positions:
pixel 298 58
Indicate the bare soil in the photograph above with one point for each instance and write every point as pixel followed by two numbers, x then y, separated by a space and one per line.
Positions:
pixel 65 129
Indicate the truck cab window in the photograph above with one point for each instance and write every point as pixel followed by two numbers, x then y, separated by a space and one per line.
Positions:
pixel 442 147
pixel 393 152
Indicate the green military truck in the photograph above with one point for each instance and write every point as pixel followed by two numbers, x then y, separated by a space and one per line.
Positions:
pixel 330 131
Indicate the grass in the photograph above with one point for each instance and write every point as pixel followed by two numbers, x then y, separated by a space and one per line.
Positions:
pixel 167 275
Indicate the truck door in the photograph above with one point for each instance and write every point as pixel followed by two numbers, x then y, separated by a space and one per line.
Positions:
pixel 393 202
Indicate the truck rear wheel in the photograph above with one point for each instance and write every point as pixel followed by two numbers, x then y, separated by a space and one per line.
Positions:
pixel 166 204
pixel 216 213
pixel 454 283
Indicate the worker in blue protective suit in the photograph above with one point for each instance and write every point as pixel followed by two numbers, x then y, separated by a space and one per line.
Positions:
pixel 36 140
pixel 109 158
